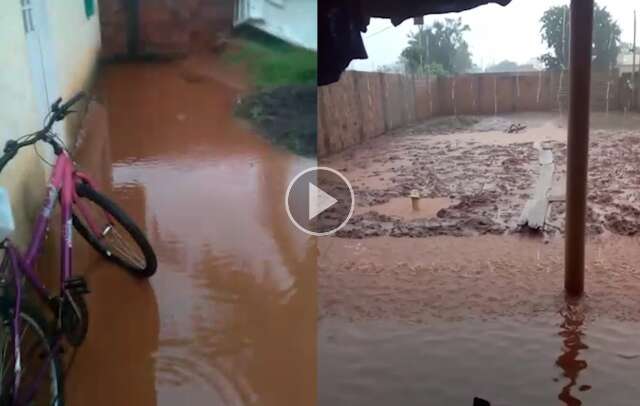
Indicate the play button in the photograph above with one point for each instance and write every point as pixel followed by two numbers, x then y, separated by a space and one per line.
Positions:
pixel 319 201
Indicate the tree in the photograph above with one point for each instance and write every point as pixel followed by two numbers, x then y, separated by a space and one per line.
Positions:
pixel 438 49
pixel 392 68
pixel 504 66
pixel 556 29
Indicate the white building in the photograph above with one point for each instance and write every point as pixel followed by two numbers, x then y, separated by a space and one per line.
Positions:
pixel 625 62
pixel 48 50
pixel 293 21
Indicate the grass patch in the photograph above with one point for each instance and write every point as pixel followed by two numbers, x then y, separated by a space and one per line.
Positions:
pixel 271 61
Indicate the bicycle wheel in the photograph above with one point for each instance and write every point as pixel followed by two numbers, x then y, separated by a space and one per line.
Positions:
pixel 121 240
pixel 40 380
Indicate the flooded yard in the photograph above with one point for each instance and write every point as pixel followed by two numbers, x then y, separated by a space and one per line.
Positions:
pixel 489 175
pixel 230 317
pixel 442 304
pixel 440 320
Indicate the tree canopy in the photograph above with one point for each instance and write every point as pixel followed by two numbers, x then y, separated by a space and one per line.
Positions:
pixel 438 49
pixel 504 66
pixel 556 29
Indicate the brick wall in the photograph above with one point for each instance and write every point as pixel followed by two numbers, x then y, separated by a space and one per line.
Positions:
pixel 162 27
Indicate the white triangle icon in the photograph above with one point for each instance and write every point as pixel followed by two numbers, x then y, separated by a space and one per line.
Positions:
pixel 319 200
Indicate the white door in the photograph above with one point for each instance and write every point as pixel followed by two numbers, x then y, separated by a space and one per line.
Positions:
pixel 40 53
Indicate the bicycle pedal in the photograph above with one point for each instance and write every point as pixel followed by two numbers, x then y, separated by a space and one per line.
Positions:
pixel 77 285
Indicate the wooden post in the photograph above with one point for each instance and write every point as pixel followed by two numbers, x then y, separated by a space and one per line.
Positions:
pixel 634 82
pixel 578 143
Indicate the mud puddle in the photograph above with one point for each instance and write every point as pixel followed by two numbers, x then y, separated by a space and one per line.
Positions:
pixel 491 174
pixel 229 318
pixel 402 207
pixel 443 319
pixel 559 359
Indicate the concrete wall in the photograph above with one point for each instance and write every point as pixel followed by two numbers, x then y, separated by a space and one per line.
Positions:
pixel 363 105
pixel 75 39
pixel 290 20
pixel 18 116
pixel 74 42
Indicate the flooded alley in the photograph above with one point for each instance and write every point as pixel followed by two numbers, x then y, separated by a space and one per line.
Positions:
pixel 230 316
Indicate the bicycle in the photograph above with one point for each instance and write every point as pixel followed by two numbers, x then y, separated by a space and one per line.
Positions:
pixel 99 221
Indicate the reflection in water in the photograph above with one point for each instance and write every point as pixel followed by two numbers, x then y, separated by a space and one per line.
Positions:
pixel 235 308
pixel 480 322
pixel 124 320
pixel 571 331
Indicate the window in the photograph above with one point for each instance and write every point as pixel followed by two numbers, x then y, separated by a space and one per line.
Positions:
pixel 89 7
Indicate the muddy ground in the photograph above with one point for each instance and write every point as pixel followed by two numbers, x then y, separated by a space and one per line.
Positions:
pixel 474 178
pixel 286 115
pixel 408 319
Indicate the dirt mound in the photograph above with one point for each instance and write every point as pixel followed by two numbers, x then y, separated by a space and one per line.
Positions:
pixel 458 220
pixel 286 115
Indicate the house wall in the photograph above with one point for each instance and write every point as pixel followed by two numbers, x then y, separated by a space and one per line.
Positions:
pixel 18 116
pixel 289 20
pixel 73 40
pixel 76 44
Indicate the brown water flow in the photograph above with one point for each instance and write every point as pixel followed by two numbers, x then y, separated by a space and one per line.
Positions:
pixel 438 321
pixel 230 316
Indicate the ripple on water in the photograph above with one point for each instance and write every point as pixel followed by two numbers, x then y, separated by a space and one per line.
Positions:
pixel 508 361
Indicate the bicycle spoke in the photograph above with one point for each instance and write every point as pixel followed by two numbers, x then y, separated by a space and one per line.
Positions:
pixel 114 241
pixel 5 365
pixel 125 250
pixel 38 366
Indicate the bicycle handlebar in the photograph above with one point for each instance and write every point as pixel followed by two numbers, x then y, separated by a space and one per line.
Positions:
pixel 58 113
pixel 71 102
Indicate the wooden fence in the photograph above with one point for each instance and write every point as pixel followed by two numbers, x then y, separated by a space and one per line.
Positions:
pixel 363 105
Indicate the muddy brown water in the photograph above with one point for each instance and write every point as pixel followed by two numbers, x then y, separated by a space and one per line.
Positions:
pixel 439 320
pixel 229 318
pixel 449 315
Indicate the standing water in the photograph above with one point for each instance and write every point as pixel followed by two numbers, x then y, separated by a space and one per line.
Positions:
pixel 441 320
pixel 229 318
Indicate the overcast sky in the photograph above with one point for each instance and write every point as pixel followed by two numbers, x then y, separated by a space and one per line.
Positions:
pixel 497 33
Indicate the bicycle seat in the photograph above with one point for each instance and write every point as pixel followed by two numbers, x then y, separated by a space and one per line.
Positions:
pixel 7 224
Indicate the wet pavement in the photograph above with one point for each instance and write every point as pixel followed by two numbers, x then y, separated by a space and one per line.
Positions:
pixel 230 316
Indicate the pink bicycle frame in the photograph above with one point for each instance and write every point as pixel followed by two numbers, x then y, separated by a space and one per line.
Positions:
pixel 61 184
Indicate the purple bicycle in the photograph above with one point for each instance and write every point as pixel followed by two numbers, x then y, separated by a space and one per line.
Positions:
pixel 30 343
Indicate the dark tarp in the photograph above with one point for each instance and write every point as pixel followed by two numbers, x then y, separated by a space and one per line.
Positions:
pixel 340 23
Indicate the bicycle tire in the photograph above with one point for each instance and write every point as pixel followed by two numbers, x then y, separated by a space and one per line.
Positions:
pixel 84 190
pixel 34 318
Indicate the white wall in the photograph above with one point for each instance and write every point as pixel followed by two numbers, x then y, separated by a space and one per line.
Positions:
pixel 75 43
pixel 294 21
pixel 24 176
